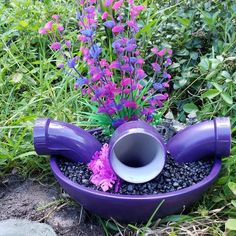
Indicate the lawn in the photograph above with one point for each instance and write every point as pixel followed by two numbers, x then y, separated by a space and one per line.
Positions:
pixel 202 35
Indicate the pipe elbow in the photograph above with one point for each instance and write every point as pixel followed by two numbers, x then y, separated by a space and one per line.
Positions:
pixel 55 137
pixel 205 139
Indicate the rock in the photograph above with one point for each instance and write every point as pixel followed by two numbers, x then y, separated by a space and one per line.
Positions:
pixel 17 227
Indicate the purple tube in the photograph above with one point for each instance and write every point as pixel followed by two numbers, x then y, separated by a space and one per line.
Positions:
pixel 137 152
pixel 206 139
pixel 53 137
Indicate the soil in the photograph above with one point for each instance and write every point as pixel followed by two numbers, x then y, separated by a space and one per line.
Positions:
pixel 28 199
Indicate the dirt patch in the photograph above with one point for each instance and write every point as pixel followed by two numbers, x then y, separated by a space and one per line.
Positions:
pixel 28 199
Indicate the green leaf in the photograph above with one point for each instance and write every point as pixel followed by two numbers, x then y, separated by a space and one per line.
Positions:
pixel 233 203
pixel 184 21
pixel 227 98
pixel 190 107
pixel 211 93
pixel 232 187
pixel 176 218
pixel 204 65
pixel 225 74
pixel 230 224
pixel 217 86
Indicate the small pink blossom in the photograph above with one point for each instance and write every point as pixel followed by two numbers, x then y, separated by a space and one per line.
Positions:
pixel 170 52
pixel 55 17
pixel 42 31
pixel 117 5
pixel 131 104
pixel 154 50
pixel 117 28
pixel 55 46
pixel 60 27
pixel 82 38
pixel 105 15
pixel 103 176
pixel 48 26
pixel 162 52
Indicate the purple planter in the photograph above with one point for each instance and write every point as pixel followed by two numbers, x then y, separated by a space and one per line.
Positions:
pixel 137 152
pixel 134 208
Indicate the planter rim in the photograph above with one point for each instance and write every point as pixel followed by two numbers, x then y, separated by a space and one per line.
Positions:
pixel 213 174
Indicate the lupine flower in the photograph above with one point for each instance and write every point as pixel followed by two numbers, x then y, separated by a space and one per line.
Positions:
pixel 109 24
pixel 87 32
pixel 156 67
pixel 105 15
pixel 55 46
pixel 162 52
pixel 71 62
pixel 117 28
pixel 117 94
pixel 108 3
pixel 117 5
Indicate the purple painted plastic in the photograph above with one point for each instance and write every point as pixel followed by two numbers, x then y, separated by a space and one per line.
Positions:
pixel 53 137
pixel 134 208
pixel 137 152
pixel 207 139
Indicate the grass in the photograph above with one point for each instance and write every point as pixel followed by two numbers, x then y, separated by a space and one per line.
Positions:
pixel 31 87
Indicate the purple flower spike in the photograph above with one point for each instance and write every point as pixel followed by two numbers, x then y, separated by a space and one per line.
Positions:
pixel 95 51
pixel 71 62
pixel 87 32
pixel 158 86
pixel 109 24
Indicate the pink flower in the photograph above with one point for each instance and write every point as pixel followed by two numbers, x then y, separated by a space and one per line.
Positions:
pixel 140 73
pixel 162 52
pixel 55 46
pixel 130 1
pixel 60 27
pixel 154 50
pixel 131 104
pixel 165 85
pixel 125 82
pixel 82 38
pixel 103 175
pixel 170 52
pixel 117 5
pixel 42 31
pixel 117 28
pixel 135 10
pixel 55 17
pixel 107 73
pixel 48 26
pixel 105 15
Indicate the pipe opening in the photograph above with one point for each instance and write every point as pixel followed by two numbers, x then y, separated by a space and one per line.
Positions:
pixel 136 150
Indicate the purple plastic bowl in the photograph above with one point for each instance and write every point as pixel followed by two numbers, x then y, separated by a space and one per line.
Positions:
pixel 134 208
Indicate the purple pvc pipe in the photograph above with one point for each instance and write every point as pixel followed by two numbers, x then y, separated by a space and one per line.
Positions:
pixel 53 137
pixel 205 139
pixel 137 152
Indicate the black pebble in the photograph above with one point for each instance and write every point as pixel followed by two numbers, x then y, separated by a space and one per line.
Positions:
pixel 174 176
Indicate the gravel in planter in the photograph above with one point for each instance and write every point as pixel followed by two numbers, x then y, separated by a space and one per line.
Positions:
pixel 174 176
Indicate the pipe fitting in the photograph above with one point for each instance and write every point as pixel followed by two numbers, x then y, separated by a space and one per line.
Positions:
pixel 63 139
pixel 137 152
pixel 203 140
